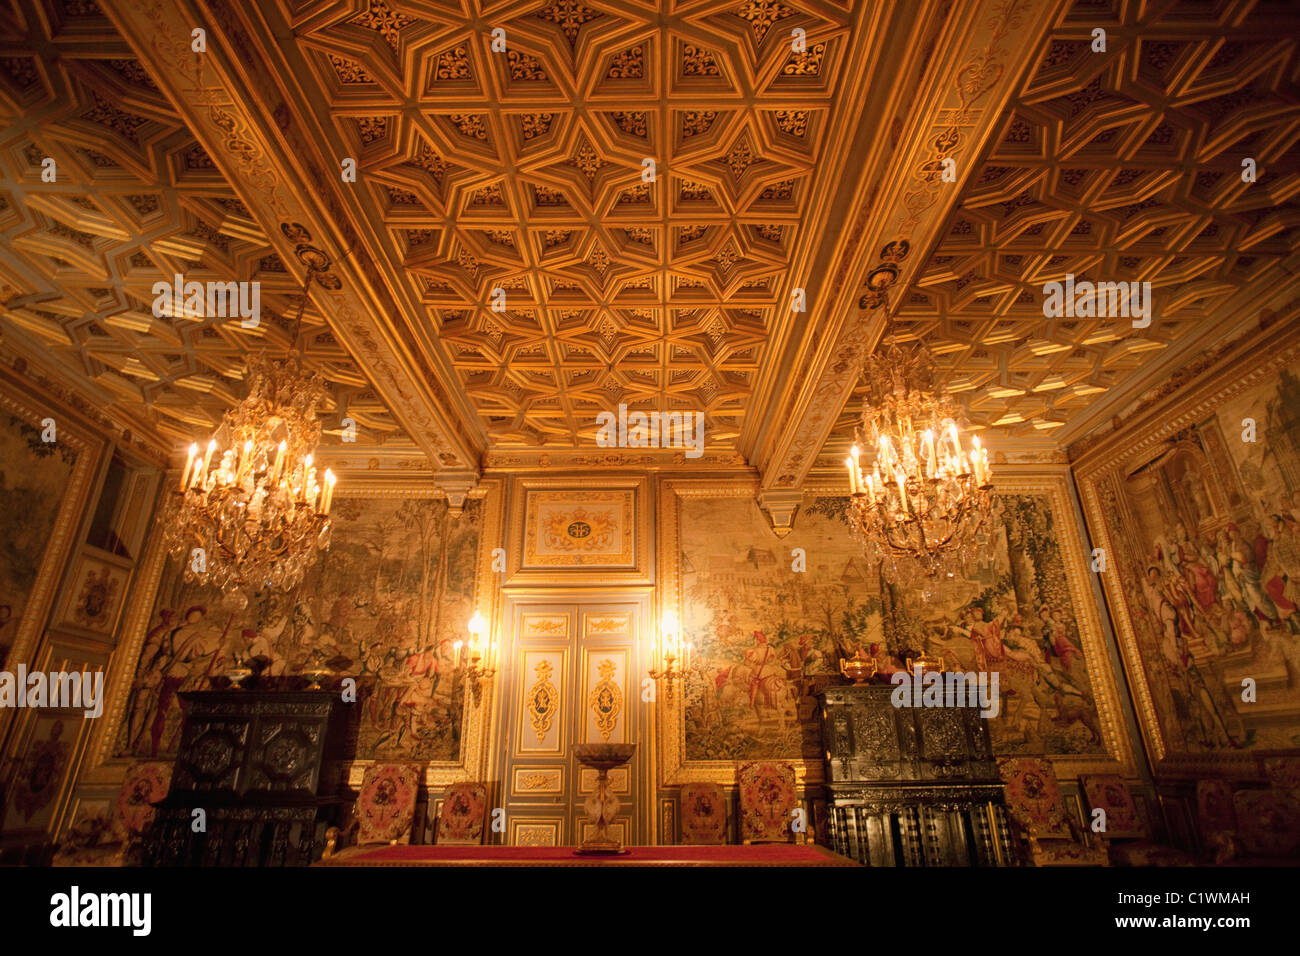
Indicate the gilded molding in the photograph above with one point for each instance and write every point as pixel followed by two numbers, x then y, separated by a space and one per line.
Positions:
pixel 160 35
pixel 75 502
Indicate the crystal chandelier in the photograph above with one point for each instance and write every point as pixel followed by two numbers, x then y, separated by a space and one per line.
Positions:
pixel 251 510
pixel 920 501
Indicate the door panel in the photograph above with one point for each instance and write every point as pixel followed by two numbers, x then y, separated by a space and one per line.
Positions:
pixel 569 677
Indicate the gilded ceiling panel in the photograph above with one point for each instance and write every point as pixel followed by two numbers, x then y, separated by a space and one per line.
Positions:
pixel 103 193
pixel 1122 165
pixel 560 272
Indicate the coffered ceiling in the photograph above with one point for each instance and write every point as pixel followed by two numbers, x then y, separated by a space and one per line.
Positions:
pixel 527 170
pixel 617 203
pixel 1123 165
pixel 135 199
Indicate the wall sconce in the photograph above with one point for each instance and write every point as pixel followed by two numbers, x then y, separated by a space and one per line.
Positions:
pixel 482 655
pixel 676 662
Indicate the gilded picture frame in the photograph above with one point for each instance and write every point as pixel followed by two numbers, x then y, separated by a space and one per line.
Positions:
pixel 592 535
pixel 95 593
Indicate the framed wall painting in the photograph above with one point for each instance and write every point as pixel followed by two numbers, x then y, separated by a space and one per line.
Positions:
pixel 95 592
pixel 591 534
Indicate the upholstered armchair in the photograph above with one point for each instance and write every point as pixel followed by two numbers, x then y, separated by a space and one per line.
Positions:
pixel 1039 819
pixel 704 814
pixel 1128 837
pixel 385 808
pixel 460 820
pixel 1216 820
pixel 767 802
pixel 116 838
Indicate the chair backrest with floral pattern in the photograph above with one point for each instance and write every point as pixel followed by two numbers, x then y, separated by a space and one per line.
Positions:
pixel 1268 823
pixel 1214 812
pixel 386 806
pixel 767 801
pixel 1284 773
pixel 1109 792
pixel 1034 798
pixel 146 783
pixel 460 821
pixel 704 814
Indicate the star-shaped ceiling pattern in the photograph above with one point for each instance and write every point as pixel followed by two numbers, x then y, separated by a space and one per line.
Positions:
pixel 1116 165
pixel 134 200
pixel 519 177
pixel 531 270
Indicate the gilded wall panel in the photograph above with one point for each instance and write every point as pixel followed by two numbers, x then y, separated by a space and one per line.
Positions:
pixel 605 695
pixel 590 535
pixel 543 696
pixel 534 781
pixel 533 833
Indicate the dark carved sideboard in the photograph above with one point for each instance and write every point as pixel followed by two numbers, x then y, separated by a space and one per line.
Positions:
pixel 911 786
pixel 260 765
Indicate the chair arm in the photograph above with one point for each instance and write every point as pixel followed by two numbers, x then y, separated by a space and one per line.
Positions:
pixel 336 837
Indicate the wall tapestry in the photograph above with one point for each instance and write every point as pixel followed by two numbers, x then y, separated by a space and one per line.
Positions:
pixel 34 476
pixel 767 638
pixel 1206 532
pixel 390 597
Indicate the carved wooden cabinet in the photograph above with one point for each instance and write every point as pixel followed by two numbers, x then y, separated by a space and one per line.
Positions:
pixel 911 786
pixel 261 766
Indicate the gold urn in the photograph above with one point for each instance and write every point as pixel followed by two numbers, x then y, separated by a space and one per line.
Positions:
pixel 926 664
pixel 859 668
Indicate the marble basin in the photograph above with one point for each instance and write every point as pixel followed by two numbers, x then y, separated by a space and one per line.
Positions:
pixel 602 804
pixel 603 756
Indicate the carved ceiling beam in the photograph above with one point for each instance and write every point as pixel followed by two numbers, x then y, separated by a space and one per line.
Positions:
pixel 900 204
pixel 887 76
pixel 261 150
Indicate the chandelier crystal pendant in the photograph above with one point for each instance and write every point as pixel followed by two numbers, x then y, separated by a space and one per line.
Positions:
pixel 251 509
pixel 921 499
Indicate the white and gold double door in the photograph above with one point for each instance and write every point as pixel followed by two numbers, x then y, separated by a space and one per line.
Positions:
pixel 572 672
